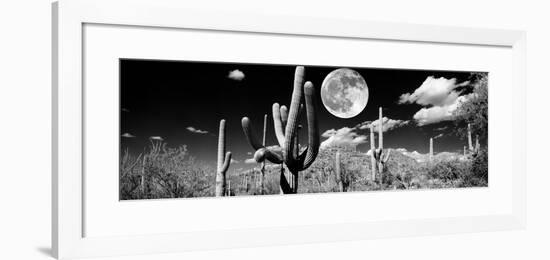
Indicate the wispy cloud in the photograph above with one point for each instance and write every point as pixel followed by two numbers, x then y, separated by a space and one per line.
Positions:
pixel 438 136
pixel 195 130
pixel 128 135
pixel 124 110
pixel 156 138
pixel 440 98
pixel 236 75
pixel 234 161
pixel 250 161
pixel 387 124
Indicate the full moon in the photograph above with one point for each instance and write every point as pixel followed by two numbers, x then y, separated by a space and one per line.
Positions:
pixel 344 93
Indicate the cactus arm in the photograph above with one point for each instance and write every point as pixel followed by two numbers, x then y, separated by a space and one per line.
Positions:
pixel 313 126
pixel 380 129
pixel 247 128
pixel 284 115
pixel 273 154
pixel 278 123
pixel 292 123
pixel 226 162
pixel 221 144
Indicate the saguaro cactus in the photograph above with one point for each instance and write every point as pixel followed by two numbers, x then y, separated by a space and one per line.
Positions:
pixel 378 158
pixel 262 168
pixel 476 149
pixel 224 160
pixel 286 130
pixel 338 171
pixel 431 149
pixel 372 156
pixel 470 146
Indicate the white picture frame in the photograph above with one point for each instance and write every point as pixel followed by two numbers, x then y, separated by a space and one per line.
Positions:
pixel 68 198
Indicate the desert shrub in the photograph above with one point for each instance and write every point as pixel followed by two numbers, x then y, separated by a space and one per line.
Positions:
pixel 478 170
pixel 163 172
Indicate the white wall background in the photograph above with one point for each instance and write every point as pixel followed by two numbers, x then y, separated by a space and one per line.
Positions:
pixel 25 130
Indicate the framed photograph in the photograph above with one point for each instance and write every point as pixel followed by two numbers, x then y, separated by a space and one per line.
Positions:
pixel 178 129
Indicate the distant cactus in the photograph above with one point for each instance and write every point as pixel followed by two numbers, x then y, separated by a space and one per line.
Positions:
pixel 286 130
pixel 378 157
pixel 476 149
pixel 470 146
pixel 431 149
pixel 224 160
pixel 338 171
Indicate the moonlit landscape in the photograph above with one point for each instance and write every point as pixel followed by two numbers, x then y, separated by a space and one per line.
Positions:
pixel 204 129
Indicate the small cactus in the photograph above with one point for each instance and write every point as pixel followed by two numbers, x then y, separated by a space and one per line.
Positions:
pixel 224 160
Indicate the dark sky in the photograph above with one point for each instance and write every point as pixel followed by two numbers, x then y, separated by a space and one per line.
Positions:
pixel 164 98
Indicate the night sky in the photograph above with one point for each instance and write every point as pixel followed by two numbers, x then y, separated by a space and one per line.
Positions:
pixel 183 102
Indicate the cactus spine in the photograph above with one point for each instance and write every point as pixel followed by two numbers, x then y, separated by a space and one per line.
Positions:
pixel 224 160
pixel 286 130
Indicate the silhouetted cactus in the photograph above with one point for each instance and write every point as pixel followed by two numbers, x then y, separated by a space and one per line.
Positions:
pixel 378 155
pixel 286 130
pixel 224 160
pixel 470 146
pixel 431 149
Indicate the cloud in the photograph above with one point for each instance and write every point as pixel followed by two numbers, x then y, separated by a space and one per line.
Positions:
pixel 128 135
pixel 156 138
pixel 436 114
pixel 435 92
pixel 124 110
pixel 236 75
pixel 440 98
pixel 438 136
pixel 250 161
pixel 234 161
pixel 387 124
pixel 344 136
pixel 195 130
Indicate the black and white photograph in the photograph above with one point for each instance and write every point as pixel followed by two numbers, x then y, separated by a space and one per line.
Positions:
pixel 193 129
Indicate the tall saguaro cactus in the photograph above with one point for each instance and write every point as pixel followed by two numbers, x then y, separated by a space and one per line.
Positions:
pixel 262 168
pixel 470 146
pixel 378 158
pixel 431 149
pixel 224 160
pixel 286 123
